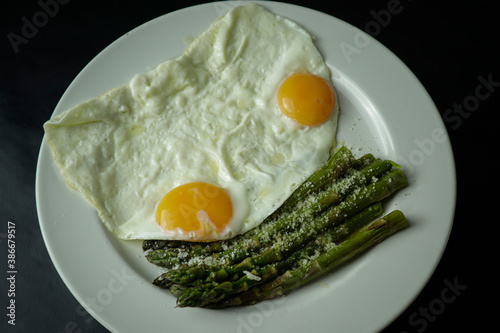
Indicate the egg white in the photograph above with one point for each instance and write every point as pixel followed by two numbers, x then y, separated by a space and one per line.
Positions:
pixel 210 115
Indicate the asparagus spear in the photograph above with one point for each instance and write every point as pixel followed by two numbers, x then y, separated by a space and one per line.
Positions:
pixel 335 215
pixel 336 167
pixel 365 238
pixel 202 293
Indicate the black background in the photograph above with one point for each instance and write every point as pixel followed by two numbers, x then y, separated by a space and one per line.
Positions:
pixel 448 46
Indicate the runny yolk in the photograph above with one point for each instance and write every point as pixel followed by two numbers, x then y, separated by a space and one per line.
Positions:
pixel 196 207
pixel 306 98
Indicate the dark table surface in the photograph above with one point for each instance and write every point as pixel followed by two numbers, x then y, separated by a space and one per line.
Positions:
pixel 450 46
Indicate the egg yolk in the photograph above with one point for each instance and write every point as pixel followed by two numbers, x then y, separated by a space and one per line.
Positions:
pixel 198 208
pixel 306 98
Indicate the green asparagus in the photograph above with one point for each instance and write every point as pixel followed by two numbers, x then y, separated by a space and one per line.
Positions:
pixel 321 225
pixel 365 238
pixel 202 290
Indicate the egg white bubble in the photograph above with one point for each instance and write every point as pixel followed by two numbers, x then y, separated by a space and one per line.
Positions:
pixel 209 115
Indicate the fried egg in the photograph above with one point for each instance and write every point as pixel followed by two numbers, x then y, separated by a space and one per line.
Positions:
pixel 207 145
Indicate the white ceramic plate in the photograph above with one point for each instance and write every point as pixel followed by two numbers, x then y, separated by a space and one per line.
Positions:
pixel 384 110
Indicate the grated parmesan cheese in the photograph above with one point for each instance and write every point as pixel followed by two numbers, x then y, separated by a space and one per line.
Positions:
pixel 252 276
